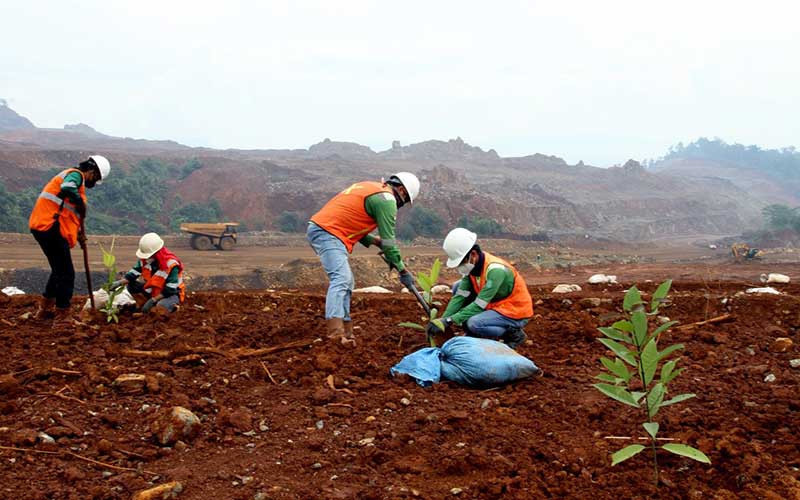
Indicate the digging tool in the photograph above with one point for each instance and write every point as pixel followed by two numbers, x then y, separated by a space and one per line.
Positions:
pixel 86 264
pixel 412 288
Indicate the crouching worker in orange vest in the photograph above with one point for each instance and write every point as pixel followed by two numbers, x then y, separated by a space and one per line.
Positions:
pixel 158 275
pixel 55 222
pixel 347 219
pixel 491 300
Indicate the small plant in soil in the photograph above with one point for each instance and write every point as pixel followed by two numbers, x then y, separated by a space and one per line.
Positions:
pixel 426 282
pixel 632 375
pixel 110 263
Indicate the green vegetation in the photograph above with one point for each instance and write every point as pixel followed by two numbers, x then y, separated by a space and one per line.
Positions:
pixel 420 221
pixel 781 217
pixel 135 201
pixel 782 164
pixel 110 263
pixel 482 226
pixel 635 346
pixel 292 222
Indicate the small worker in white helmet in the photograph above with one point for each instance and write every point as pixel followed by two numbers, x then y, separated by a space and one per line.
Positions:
pixel 55 223
pixel 349 218
pixel 491 300
pixel 157 275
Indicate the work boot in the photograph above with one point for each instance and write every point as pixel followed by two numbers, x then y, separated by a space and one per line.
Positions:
pixel 46 308
pixel 335 327
pixel 63 320
pixel 514 337
pixel 348 330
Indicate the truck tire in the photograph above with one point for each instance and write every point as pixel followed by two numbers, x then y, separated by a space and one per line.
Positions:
pixel 226 243
pixel 200 242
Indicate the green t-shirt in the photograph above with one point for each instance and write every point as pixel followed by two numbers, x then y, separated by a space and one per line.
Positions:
pixel 382 207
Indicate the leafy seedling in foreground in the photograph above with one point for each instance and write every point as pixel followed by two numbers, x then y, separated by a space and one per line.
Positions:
pixel 110 263
pixel 636 365
pixel 426 282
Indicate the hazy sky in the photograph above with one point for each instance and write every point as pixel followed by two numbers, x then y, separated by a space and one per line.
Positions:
pixel 593 81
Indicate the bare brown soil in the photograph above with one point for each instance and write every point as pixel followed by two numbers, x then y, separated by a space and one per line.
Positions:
pixel 274 427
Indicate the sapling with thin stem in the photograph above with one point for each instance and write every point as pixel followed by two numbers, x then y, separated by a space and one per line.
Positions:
pixel 110 263
pixel 634 345
pixel 426 282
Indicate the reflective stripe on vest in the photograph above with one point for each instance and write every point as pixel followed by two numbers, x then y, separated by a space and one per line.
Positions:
pixel 57 200
pixel 345 215
pixel 518 304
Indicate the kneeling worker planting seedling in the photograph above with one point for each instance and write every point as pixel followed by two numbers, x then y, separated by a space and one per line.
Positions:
pixel 347 219
pixel 157 275
pixel 491 300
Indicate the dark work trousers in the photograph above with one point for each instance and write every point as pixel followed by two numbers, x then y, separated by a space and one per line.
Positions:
pixel 61 282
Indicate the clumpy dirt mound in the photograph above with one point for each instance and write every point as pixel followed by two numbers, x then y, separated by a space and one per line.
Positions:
pixel 285 413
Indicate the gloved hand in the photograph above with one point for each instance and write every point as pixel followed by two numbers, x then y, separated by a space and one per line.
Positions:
pixel 81 238
pixel 118 283
pixel 438 326
pixel 377 241
pixel 148 305
pixel 407 279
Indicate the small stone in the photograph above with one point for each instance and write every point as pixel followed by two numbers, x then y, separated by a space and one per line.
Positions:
pixel 262 426
pixel 105 446
pixel 246 479
pixel 663 319
pixel 590 302
pixel 369 419
pixel 45 438
pixel 456 491
pixel 485 404
pixel 405 402
pixel 794 363
pixel 460 445
pixel 316 465
pixel 770 378
pixel 260 496
pixel 130 382
pixel 750 351
pixel 161 492
pixel 240 419
pixel 320 425
pixel 181 446
pixel 175 424
pixel 366 441
pixel 781 344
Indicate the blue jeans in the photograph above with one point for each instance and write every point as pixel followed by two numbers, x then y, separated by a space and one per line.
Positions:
pixel 334 257
pixel 489 324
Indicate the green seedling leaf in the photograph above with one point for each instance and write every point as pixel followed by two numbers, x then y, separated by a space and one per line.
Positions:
pixel 654 398
pixel 651 428
pixel 673 375
pixel 423 281
pixel 605 377
pixel 639 320
pixel 661 329
pixel 623 325
pixel 678 399
pixel 617 367
pixel 435 268
pixel 610 332
pixel 687 451
pixel 649 361
pixel 666 371
pixel 620 350
pixel 632 298
pixel 415 326
pixel 434 313
pixel 626 453
pixel 659 295
pixel 637 395
pixel 669 350
pixel 618 393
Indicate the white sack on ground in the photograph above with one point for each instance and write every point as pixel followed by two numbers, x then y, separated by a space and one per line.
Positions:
pixel 101 297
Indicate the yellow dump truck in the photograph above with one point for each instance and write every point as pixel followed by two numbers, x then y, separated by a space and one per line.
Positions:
pixel 208 235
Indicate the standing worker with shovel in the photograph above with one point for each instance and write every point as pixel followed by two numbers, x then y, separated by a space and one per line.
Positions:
pixel 347 219
pixel 57 224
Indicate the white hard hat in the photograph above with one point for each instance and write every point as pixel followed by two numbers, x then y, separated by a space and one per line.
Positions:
pixel 103 165
pixel 457 245
pixel 149 244
pixel 410 182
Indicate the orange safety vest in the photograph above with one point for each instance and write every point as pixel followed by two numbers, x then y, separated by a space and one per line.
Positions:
pixel 518 304
pixel 345 215
pixel 47 209
pixel 154 283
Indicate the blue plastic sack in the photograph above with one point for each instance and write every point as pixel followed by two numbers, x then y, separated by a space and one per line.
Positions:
pixel 469 361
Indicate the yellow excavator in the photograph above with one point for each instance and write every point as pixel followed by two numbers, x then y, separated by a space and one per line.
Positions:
pixel 743 251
